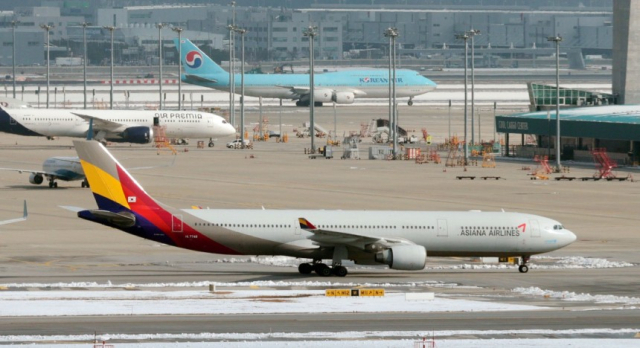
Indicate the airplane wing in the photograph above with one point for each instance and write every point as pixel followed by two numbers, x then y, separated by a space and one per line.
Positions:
pixel 331 238
pixel 198 78
pixel 40 172
pixel 299 90
pixel 99 123
pixel 24 216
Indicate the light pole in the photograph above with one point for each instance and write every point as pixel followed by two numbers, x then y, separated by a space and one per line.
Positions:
pixel 160 26
pixel 179 31
pixel 557 40
pixel 392 34
pixel 13 60
pixel 465 37
pixel 84 58
pixel 311 33
pixel 232 77
pixel 242 32
pixel 47 28
pixel 472 33
pixel 111 29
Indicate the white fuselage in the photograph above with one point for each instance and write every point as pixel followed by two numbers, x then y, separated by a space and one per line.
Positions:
pixel 64 122
pixel 466 233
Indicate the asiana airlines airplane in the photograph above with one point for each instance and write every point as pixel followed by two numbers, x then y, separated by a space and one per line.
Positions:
pixel 399 239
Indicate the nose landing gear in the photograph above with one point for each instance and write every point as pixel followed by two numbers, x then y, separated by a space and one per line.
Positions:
pixel 523 268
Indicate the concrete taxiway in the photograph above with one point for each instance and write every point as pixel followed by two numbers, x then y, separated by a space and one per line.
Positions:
pixel 54 246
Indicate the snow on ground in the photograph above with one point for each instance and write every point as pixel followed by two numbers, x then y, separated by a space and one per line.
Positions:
pixel 494 343
pixel 573 262
pixel 81 302
pixel 574 297
pixel 562 338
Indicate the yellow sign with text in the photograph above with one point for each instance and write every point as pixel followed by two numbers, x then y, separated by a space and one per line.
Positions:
pixel 372 292
pixel 337 292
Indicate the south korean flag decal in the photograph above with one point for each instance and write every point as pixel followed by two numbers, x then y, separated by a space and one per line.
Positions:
pixel 131 199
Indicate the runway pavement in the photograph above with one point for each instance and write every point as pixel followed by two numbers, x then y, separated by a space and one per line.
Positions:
pixel 54 246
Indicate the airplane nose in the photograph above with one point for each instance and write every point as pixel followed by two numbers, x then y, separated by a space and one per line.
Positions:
pixel 569 237
pixel 230 130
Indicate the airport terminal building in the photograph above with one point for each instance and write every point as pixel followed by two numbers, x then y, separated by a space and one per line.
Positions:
pixel 613 127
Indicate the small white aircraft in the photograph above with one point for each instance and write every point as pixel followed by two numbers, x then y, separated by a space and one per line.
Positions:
pixel 399 239
pixel 56 168
pixel 132 126
pixel 24 217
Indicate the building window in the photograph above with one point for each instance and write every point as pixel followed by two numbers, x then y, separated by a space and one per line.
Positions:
pixel 330 29
pixel 280 30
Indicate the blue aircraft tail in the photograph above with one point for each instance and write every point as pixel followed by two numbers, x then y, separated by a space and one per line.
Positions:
pixel 196 62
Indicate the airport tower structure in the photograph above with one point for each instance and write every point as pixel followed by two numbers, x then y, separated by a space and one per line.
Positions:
pixel 626 50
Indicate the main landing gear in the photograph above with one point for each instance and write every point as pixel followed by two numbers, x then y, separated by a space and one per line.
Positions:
pixel 84 183
pixel 523 268
pixel 53 184
pixel 211 144
pixel 410 102
pixel 322 269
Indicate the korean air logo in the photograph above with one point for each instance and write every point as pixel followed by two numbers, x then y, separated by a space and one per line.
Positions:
pixel 366 80
pixel 194 59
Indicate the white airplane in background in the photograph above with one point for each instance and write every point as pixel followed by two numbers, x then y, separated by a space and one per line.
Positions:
pixel 133 126
pixel 56 168
pixel 23 218
pixel 399 239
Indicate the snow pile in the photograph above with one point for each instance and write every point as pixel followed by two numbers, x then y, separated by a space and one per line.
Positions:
pixel 205 284
pixel 572 296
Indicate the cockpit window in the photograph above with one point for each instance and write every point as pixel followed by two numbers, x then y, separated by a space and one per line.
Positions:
pixel 558 227
pixel 224 122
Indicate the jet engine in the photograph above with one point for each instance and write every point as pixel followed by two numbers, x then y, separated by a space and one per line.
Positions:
pixel 403 257
pixel 344 97
pixel 36 179
pixel 323 95
pixel 138 135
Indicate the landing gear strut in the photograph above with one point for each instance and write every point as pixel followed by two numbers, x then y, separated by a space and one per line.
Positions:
pixel 322 269
pixel 523 268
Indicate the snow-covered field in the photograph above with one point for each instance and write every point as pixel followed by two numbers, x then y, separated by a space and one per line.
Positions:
pixel 81 302
pixel 443 339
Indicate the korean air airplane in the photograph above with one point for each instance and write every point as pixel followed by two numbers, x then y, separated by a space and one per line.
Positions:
pixel 339 87
pixel 133 126
pixel 399 239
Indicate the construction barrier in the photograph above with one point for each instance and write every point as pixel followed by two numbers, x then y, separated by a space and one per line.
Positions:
pixel 412 152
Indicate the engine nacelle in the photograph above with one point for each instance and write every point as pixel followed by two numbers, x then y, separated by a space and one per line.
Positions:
pixel 138 135
pixel 404 257
pixel 344 98
pixel 36 179
pixel 323 95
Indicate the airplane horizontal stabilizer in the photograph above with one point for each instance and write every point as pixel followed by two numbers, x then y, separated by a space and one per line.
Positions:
pixel 122 219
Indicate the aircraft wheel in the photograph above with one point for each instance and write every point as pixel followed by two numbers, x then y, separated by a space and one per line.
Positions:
pixel 51 184
pixel 211 144
pixel 322 269
pixel 410 102
pixel 340 271
pixel 55 185
pixel 305 268
pixel 523 268
pixel 82 184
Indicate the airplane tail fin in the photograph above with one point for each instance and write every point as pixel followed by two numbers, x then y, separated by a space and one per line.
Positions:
pixel 114 189
pixel 196 62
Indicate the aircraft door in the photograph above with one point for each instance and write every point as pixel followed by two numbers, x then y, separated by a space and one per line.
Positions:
pixel 176 223
pixel 535 228
pixel 296 228
pixel 156 121
pixel 443 229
